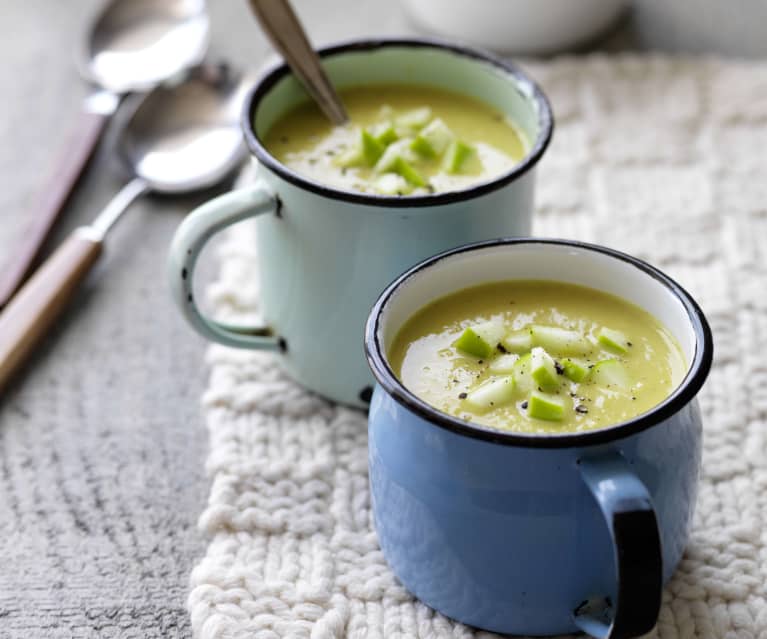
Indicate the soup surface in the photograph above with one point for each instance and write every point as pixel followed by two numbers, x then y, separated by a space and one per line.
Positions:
pixel 537 357
pixel 400 140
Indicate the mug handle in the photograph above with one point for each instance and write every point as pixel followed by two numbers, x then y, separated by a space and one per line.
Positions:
pixel 630 517
pixel 192 234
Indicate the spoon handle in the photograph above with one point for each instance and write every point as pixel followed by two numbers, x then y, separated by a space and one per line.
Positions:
pixel 286 34
pixel 37 305
pixel 51 201
pixel 32 311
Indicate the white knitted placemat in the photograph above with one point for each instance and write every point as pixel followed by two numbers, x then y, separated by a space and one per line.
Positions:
pixel 660 157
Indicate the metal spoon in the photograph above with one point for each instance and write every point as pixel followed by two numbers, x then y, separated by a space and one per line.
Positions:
pixel 179 139
pixel 282 27
pixel 132 46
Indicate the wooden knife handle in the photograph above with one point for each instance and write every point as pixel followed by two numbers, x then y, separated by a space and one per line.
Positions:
pixel 32 311
pixel 53 196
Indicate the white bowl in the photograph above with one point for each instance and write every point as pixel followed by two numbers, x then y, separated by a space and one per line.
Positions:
pixel 516 26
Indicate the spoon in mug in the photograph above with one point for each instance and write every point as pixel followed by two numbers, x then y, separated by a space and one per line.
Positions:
pixel 132 46
pixel 179 139
pixel 286 34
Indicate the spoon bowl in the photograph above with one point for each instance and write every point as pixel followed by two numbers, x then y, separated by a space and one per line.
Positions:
pixel 135 44
pixel 186 137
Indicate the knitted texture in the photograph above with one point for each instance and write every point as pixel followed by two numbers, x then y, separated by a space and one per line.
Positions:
pixel 659 157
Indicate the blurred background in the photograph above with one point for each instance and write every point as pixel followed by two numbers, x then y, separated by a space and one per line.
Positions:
pixel 102 467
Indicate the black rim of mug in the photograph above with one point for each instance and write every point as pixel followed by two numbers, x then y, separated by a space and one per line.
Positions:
pixel 274 75
pixel 682 395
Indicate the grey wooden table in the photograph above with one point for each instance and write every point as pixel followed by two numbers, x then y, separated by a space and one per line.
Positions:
pixel 102 443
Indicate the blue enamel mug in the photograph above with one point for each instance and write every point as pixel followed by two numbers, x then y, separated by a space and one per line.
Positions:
pixel 536 534
pixel 324 254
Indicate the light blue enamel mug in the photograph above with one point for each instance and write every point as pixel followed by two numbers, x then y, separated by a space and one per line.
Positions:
pixel 324 254
pixel 536 534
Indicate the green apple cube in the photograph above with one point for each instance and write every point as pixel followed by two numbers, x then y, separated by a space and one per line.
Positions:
pixel 545 406
pixel 503 364
pixel 521 372
pixel 494 392
pixel 415 119
pixel 399 150
pixel 385 133
pixel 372 149
pixel 518 341
pixel 561 341
pixel 407 171
pixel 392 184
pixel 433 139
pixel 480 340
pixel 457 153
pixel 366 152
pixel 542 369
pixel 610 372
pixel 575 369
pixel 350 157
pixel 421 146
pixel 613 340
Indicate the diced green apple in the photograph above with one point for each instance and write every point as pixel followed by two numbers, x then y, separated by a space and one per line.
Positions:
pixel 503 364
pixel 392 184
pixel 396 151
pixel 561 341
pixel 350 157
pixel 457 153
pixel 415 119
pixel 384 133
pixel 613 340
pixel 480 340
pixel 542 369
pixel 575 369
pixel 366 152
pixel 610 372
pixel 545 406
pixel 518 341
pixel 396 159
pixel 433 139
pixel 407 171
pixel 372 149
pixel 521 372
pixel 421 146
pixel 494 392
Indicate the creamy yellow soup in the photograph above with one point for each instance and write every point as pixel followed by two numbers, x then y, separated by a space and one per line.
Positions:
pixel 305 141
pixel 625 360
